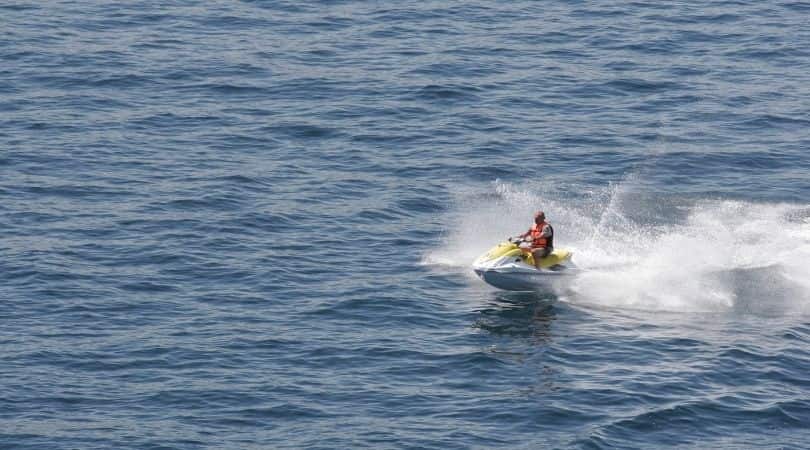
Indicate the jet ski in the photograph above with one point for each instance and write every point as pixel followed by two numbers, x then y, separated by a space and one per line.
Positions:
pixel 510 266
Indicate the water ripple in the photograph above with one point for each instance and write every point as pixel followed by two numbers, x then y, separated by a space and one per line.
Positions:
pixel 249 224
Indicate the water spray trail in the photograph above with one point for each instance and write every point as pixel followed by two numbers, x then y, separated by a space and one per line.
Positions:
pixel 698 255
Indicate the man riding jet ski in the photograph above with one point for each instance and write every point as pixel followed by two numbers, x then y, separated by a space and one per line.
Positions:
pixel 542 237
pixel 526 262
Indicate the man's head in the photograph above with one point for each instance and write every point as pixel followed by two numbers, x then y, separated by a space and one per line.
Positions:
pixel 539 217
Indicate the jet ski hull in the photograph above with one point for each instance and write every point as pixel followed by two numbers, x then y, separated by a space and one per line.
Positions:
pixel 523 281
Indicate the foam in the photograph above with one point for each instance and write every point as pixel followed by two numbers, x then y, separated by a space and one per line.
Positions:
pixel 647 252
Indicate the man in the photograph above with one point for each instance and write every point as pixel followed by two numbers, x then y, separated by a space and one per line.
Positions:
pixel 542 236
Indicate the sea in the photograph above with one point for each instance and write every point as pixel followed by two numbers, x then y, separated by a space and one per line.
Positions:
pixel 250 224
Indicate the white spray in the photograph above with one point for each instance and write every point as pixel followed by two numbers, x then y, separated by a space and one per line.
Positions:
pixel 649 253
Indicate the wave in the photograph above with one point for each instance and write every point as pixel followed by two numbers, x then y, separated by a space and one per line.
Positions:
pixel 652 252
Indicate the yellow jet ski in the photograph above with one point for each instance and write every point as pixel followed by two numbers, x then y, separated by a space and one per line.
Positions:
pixel 511 266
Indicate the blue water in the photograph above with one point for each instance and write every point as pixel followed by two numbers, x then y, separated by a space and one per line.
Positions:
pixel 249 224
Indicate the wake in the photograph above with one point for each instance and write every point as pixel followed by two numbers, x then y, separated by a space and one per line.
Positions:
pixel 655 253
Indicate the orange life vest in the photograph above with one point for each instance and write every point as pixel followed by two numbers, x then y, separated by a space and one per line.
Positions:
pixel 538 241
